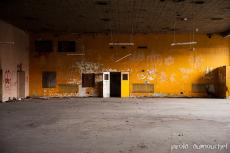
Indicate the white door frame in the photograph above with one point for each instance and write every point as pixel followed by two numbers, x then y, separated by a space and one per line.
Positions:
pixel 106 84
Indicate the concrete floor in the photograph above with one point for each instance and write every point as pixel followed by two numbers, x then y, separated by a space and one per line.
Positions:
pixel 95 125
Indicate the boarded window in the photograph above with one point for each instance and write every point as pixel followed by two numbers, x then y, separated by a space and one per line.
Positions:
pixel 66 46
pixel 143 88
pixel 43 46
pixel 88 80
pixel 199 88
pixel 48 79
pixel 124 76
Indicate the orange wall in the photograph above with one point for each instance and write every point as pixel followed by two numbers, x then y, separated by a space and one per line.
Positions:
pixel 172 70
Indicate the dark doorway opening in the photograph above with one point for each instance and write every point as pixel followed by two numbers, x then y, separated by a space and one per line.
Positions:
pixel 115 84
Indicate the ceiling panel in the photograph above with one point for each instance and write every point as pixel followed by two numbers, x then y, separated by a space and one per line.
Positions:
pixel 118 16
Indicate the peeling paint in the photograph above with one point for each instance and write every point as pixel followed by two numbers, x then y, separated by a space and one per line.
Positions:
pixel 173 77
pixel 82 91
pixel 163 77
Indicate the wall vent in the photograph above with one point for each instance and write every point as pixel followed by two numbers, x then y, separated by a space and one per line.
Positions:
pixel 105 19
pixel 142 47
pixel 216 18
pixel 198 2
pixel 143 88
pixel 199 88
pixel 68 88
pixel 178 1
pixel 102 2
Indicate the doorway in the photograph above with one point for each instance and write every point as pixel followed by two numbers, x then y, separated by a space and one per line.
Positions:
pixel 21 84
pixel 124 84
pixel 115 84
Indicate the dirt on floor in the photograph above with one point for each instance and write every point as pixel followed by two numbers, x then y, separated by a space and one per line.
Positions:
pixel 115 125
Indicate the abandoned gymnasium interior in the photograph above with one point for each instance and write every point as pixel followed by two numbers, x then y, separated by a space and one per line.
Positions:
pixel 115 76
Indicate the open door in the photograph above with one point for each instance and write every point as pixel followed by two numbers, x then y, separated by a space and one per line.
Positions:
pixel 124 84
pixel 21 84
pixel 115 84
pixel 106 84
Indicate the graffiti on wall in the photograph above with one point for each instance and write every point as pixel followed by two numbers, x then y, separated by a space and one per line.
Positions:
pixel 148 75
pixel 88 67
pixel 7 79
pixel 163 76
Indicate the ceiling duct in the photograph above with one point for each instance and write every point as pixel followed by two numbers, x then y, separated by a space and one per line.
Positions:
pixel 102 2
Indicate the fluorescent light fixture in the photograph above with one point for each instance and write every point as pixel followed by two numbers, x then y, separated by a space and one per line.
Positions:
pixel 123 57
pixel 9 43
pixel 121 44
pixel 81 54
pixel 183 43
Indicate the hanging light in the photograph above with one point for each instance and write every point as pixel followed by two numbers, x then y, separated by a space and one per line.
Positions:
pixel 183 43
pixel 191 42
pixel 123 57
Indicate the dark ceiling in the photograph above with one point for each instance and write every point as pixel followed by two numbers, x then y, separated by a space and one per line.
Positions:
pixel 118 16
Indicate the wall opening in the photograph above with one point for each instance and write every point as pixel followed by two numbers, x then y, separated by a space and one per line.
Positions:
pixel 66 46
pixel 88 79
pixel 143 88
pixel 115 84
pixel 48 79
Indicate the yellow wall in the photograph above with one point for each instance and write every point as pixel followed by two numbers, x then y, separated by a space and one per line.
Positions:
pixel 172 70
